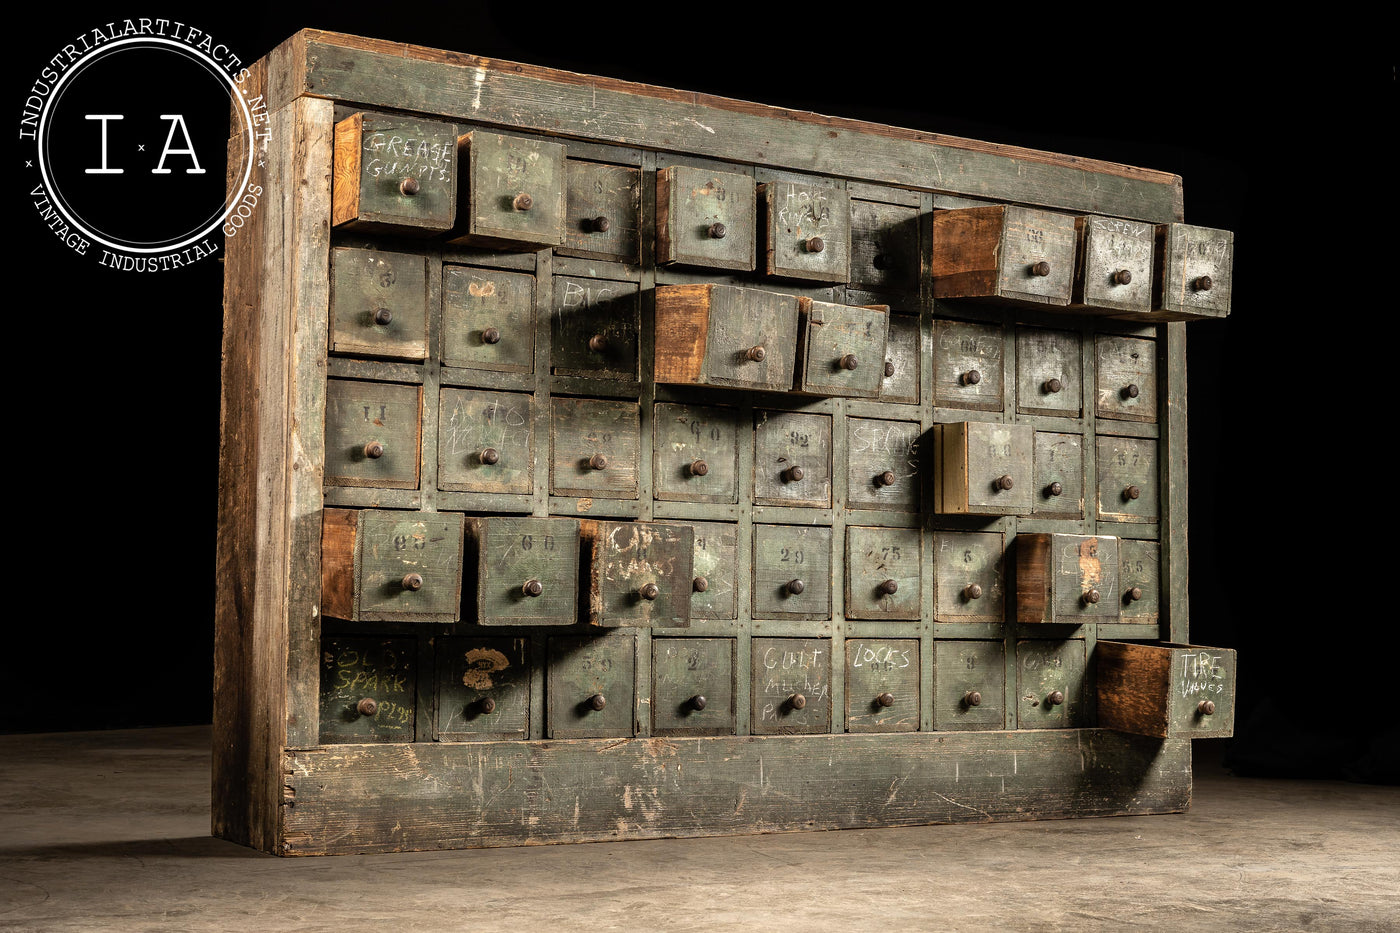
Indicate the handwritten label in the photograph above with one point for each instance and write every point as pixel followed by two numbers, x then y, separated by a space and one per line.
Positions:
pixel 1202 673
pixel 397 156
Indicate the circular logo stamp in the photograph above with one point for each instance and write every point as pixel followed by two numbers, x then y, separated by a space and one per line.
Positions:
pixel 145 135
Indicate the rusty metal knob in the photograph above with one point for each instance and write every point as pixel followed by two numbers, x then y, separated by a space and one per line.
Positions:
pixel 532 588
pixel 596 702
pixel 522 202
pixel 757 354
pixel 1056 698
pixel 700 584
pixel 1003 482
pixel 716 231
pixel 490 335
pixel 1040 268
pixel 1203 284
pixel 598 343
pixel 1134 594
pixel 409 186
pixel 490 456
pixel 886 478
pixel 885 699
pixel 699 468
pixel 889 368
pixel 888 587
pixel 697 702
pixel 848 361
pixel 792 474
pixel 367 706
pixel 486 705
pixel 1055 489
pixel 650 591
pixel 797 701
pixel 971 377
pixel 1090 597
pixel 1122 277
pixel 383 317
pixel 1132 492
pixel 814 244
pixel 795 587
pixel 412 581
pixel 374 450
pixel 972 698
pixel 972 591
pixel 599 224
pixel 1053 385
pixel 1205 707
pixel 1131 391
pixel 598 462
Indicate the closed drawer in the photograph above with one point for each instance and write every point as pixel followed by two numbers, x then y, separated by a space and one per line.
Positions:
pixel 884 573
pixel 379 304
pixel 841 349
pixel 373 432
pixel 969 685
pixel 595 326
pixel 1140 581
pixel 603 206
pixel 705 218
pixel 394 174
pixel 882 685
pixel 486 441
pixel 514 194
pixel 1127 381
pixel 984 468
pixel 595 448
pixel 791 686
pixel 1114 275
pixel 591 686
pixel 694 686
pixel 1049 372
pixel 807 230
pixel 638 573
pixel 714 590
pixel 695 453
pixel 903 358
pixel 1014 255
pixel 792 459
pixel 1127 468
pixel 882 464
pixel 722 335
pixel 368 686
pixel 523 571
pixel 791 572
pixel 391 566
pixel 885 247
pixel 483 688
pixel 1177 691
pixel 968 578
pixel 1066 579
pixel 488 319
pixel 1050 684
pixel 1195 271
pixel 967 366
pixel 1058 490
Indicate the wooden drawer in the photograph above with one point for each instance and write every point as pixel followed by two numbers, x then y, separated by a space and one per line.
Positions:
pixel 722 335
pixel 903 359
pixel 884 573
pixel 1066 579
pixel 967 366
pixel 1114 271
pixel 514 197
pixel 638 573
pixel 841 349
pixel 968 577
pixel 1049 372
pixel 603 205
pixel 595 325
pixel 1166 691
pixel 595 448
pixel 1195 270
pixel 368 689
pixel 1058 488
pixel 483 688
pixel 705 218
pixel 984 468
pixel 882 465
pixel 394 174
pixel 379 304
pixel 522 571
pixel 714 590
pixel 885 247
pixel 1127 380
pixel 488 319
pixel 694 686
pixel 882 685
pixel 791 686
pixel 792 459
pixel 1127 481
pixel 695 453
pixel 486 441
pixel 1015 255
pixel 969 685
pixel 373 432
pixel 807 230
pixel 1050 684
pixel 591 686
pixel 791 572
pixel 1140 581
pixel 391 566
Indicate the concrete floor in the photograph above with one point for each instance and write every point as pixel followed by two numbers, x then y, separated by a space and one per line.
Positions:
pixel 109 831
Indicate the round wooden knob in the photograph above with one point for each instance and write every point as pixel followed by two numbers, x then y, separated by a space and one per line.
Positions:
pixel 888 587
pixel 792 474
pixel 699 468
pixel 1040 268
pixel 886 478
pixel 596 702
pixel 490 335
pixel 971 377
pixel 599 224
pixel 367 706
pixel 522 202
pixel 716 231
pixel 1055 489
pixel 374 450
pixel 1056 698
pixel 697 702
pixel 650 591
pixel 797 701
pixel 795 587
pixel 972 591
pixel 1003 482
pixel 1122 277
pixel 889 368
pixel 1203 284
pixel 532 588
pixel 490 456
pixel 1131 391
pixel 1053 385
pixel 700 584
pixel 1205 707
pixel 486 705
pixel 1090 597
pixel 598 462
pixel 409 186
pixel 1134 594
pixel 383 317
pixel 848 361
pixel 412 581
pixel 814 244
pixel 757 354
pixel 972 698
pixel 597 343
pixel 885 699
pixel 1132 492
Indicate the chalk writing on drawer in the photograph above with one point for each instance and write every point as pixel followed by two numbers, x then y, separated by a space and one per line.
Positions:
pixel 1202 673
pixel 788 672
pixel 395 155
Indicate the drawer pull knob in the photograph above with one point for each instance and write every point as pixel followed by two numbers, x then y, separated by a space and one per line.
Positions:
pixel 1134 594
pixel 716 231
pixel 700 584
pixel 795 587
pixel 1205 707
pixel 650 591
pixel 490 456
pixel 792 474
pixel 522 202
pixel 1090 597
pixel 412 581
pixel 598 462
pixel 532 588
pixel 367 706
pixel 374 450
pixel 1055 699
pixel 599 224
pixel 889 368
pixel 409 187
pixel 886 478
pixel 383 317
pixel 1041 268
pixel 814 244
pixel 598 343
pixel 885 699
pixel 797 701
pixel 1003 482
pixel 699 468
pixel 1055 489
pixel 888 588
pixel 972 591
pixel 486 705
pixel 1053 385
pixel 596 702
pixel 1131 391
pixel 972 698
pixel 756 354
pixel 697 702
pixel 848 361
pixel 1203 284
pixel 1132 492
pixel 971 377
pixel 490 335
pixel 1123 277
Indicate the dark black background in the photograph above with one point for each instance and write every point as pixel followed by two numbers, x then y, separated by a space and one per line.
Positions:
pixel 1283 137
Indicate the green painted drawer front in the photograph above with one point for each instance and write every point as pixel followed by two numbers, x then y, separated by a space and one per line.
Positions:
pixel 881 671
pixel 968 577
pixel 967 366
pixel 1127 384
pixel 1058 488
pixel 604 211
pixel 714 590
pixel 640 573
pixel 1202 675
pixel 488 319
pixel 969 685
pixel 1030 237
pixel 694 680
pixel 1066 579
pixel 595 326
pixel 394 174
pixel 695 453
pixel 791 688
pixel 1140 581
pixel 373 430
pixel 410 566
pixel 379 304
pixel 722 335
pixel 1049 372
pixel 483 688
pixel 515 190
pixel 791 572
pixel 705 218
pixel 367 689
pixel 903 358
pixel 506 553
pixel 842 350
pixel 1186 256
pixel 884 247
pixel 586 672
pixel 1047 671
pixel 807 231
pixel 792 459
pixel 1166 691
pixel 985 468
pixel 1115 265
pixel 486 441
pixel 1127 468
pixel 884 573
pixel 595 448
pixel 882 464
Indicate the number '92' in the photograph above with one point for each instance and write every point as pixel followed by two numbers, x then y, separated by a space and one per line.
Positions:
pixel 240 214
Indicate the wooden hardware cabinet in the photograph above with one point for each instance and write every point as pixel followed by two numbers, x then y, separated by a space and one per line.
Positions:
pixel 601 462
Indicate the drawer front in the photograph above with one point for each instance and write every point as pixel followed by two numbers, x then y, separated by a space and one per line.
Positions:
pixel 483 688
pixel 1127 384
pixel 705 218
pixel 604 211
pixel 1058 489
pixel 968 578
pixel 508 554
pixel 903 355
pixel 1202 692
pixel 884 573
pixel 1127 468
pixel 967 366
pixel 595 326
pixel 842 349
pixel 791 686
pixel 486 441
pixel 882 685
pixel 694 686
pixel 1139 581
pixel 1195 268
pixel 595 448
pixel 1037 256
pixel 882 465
pixel 721 335
pixel 591 686
pixel 807 231
pixel 714 594
pixel 1066 579
pixel 1115 265
pixel 488 319
pixel 1049 372
pixel 985 468
pixel 368 687
pixel 379 304
pixel 695 453
pixel 640 573
pixel 373 432
pixel 516 190
pixel 885 247
pixel 791 572
pixel 792 459
pixel 394 174
pixel 410 566
pixel 1165 691
pixel 1050 684
pixel 969 685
